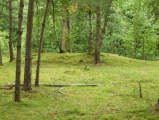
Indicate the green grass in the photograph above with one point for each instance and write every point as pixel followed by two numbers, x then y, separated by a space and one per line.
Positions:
pixel 116 97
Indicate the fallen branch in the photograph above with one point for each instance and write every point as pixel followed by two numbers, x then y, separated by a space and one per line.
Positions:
pixel 66 85
pixel 10 86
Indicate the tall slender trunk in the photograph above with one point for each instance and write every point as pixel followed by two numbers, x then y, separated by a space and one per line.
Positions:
pixel 1 63
pixel 54 26
pixel 38 21
pixel 63 39
pixel 18 58
pixel 10 32
pixel 104 27
pixel 90 40
pixel 28 54
pixel 97 44
pixel 69 48
pixel 40 44
pixel 68 21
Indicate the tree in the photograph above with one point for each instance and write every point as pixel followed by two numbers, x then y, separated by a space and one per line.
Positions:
pixel 129 28
pixel 10 32
pixel 90 39
pixel 40 44
pixel 68 32
pixel 18 58
pixel 54 25
pixel 28 53
pixel 63 36
pixel 37 24
pixel 65 43
pixel 97 44
pixel 65 30
pixel 106 11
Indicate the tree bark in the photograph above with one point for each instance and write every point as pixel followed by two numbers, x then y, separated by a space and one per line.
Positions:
pixel 104 27
pixel 40 44
pixel 67 85
pixel 38 22
pixel 28 54
pixel 68 21
pixel 107 12
pixel 10 32
pixel 1 63
pixel 69 48
pixel 63 39
pixel 18 58
pixel 90 40
pixel 97 44
pixel 54 26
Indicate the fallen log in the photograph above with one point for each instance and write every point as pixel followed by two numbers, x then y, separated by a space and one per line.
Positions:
pixel 10 86
pixel 66 85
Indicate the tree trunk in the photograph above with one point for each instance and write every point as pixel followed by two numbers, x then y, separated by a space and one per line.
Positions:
pixel 38 23
pixel 68 22
pixel 90 48
pixel 97 44
pixel 1 63
pixel 104 27
pixel 63 39
pixel 28 54
pixel 54 26
pixel 69 44
pixel 107 12
pixel 10 32
pixel 40 44
pixel 18 58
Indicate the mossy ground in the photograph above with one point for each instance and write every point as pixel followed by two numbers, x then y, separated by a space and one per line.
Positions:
pixel 115 98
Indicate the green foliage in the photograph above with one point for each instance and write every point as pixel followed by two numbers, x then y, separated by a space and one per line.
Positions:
pixel 128 22
pixel 153 8
pixel 120 34
pixel 80 31
pixel 70 42
pixel 3 40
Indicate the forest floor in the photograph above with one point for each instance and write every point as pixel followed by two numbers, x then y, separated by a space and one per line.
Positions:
pixel 116 97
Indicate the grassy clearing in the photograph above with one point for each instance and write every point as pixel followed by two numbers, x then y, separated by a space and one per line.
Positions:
pixel 116 97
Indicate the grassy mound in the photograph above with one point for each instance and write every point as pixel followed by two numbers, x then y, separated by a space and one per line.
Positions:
pixel 116 97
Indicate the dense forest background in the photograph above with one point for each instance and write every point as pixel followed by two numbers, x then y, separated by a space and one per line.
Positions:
pixel 128 28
